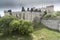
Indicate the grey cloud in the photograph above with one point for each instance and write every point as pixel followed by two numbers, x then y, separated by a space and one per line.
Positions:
pixel 19 3
pixel 39 1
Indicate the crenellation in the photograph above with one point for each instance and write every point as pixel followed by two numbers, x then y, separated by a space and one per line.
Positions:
pixel 31 14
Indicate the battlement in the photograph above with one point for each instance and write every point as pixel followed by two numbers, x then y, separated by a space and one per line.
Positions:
pixel 31 14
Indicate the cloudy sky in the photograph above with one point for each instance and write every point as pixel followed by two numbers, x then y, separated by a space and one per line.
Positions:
pixel 16 5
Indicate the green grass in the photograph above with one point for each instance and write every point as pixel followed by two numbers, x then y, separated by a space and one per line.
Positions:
pixel 40 33
pixel 44 33
pixel 47 34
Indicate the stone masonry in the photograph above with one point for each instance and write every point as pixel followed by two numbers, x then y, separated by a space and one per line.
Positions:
pixel 28 15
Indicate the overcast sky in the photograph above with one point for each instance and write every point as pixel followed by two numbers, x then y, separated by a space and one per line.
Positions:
pixel 17 4
pixel 27 3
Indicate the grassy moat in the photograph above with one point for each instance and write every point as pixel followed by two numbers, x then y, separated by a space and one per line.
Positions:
pixel 40 33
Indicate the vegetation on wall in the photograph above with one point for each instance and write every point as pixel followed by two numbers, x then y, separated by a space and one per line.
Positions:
pixel 53 15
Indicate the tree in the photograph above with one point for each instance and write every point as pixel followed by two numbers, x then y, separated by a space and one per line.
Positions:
pixel 13 26
pixel 36 10
pixel 10 25
pixel 27 9
pixel 21 26
pixel 48 16
pixel 39 10
pixel 10 12
pixel 25 27
pixel 44 14
pixel 31 9
pixel 4 23
pixel 23 9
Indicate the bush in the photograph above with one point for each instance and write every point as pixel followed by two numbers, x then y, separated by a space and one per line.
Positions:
pixel 4 23
pixel 10 24
pixel 25 27
pixel 47 16
pixel 53 15
pixel 13 26
pixel 21 26
pixel 57 13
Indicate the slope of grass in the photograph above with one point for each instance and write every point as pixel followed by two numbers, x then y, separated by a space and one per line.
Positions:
pixel 47 34
pixel 40 33
pixel 43 33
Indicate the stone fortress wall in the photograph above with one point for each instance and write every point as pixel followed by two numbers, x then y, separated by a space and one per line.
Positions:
pixel 52 23
pixel 28 15
pixel 25 15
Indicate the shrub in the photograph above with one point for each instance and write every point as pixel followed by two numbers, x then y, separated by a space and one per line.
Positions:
pixel 47 16
pixel 4 23
pixel 13 26
pixel 57 13
pixel 25 27
pixel 10 24
pixel 21 26
pixel 53 15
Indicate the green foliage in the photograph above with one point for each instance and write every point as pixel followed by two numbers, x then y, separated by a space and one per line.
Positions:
pixel 11 25
pixel 21 26
pixel 53 15
pixel 4 23
pixel 47 16
pixel 25 27
pixel 57 13
pixel 14 25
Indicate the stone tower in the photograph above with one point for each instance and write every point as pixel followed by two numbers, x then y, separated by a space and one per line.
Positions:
pixel 50 9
